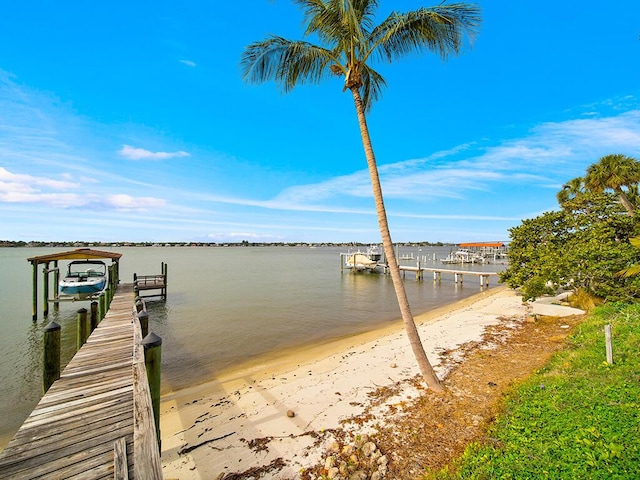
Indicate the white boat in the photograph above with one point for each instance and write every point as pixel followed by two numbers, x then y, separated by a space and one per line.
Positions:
pixel 374 253
pixel 360 261
pixel 463 256
pixel 84 278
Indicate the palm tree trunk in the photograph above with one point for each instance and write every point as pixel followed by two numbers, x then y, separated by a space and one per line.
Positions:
pixel 428 373
pixel 628 206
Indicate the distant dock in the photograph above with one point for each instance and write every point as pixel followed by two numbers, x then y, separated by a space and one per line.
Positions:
pixel 458 275
pixel 372 260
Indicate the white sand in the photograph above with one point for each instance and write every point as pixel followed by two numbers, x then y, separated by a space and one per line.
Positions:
pixel 206 429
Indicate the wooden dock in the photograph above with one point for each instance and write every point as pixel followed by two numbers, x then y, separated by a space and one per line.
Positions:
pixel 458 275
pixel 147 283
pixel 96 421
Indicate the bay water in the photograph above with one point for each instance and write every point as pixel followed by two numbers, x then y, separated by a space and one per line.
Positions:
pixel 225 306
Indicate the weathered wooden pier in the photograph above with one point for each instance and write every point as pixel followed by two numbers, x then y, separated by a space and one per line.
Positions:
pixel 99 417
pixel 97 420
pixel 458 275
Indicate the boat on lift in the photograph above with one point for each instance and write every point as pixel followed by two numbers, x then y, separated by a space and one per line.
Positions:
pixel 84 278
pixel 368 260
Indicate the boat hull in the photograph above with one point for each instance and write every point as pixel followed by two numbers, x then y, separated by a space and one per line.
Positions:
pixel 82 287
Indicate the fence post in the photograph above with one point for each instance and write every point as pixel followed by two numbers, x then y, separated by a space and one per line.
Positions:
pixel 609 346
pixel 152 344
pixel 51 355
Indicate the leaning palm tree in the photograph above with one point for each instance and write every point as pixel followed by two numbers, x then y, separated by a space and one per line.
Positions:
pixel 615 172
pixel 349 43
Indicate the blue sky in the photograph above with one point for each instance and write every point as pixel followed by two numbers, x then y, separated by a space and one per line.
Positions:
pixel 129 121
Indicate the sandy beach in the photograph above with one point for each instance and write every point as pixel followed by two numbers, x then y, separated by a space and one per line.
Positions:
pixel 280 415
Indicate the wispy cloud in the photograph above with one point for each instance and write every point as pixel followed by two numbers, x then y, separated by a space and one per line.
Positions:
pixel 127 202
pixel 549 154
pixel 134 153
pixel 30 189
pixel 188 63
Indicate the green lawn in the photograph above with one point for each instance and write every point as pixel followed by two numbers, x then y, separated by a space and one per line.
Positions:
pixel 578 418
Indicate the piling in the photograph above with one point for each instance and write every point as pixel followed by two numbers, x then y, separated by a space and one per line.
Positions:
pixel 51 355
pixel 34 293
pixel 164 274
pixel 94 315
pixel 56 282
pixel 136 290
pixel 83 327
pixel 103 305
pixel 45 290
pixel 143 317
pixel 152 344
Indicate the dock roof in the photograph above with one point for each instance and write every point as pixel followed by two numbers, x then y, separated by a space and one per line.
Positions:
pixel 78 254
pixel 482 244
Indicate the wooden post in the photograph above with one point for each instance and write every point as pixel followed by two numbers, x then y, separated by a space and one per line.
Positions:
pixel 51 356
pixel 45 290
pixel 164 274
pixel 103 305
pixel 609 345
pixel 83 329
pixel 56 289
pixel 34 291
pixel 136 290
pixel 117 273
pixel 152 344
pixel 94 315
pixel 143 318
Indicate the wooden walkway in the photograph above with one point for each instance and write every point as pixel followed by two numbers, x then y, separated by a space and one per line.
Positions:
pixel 92 411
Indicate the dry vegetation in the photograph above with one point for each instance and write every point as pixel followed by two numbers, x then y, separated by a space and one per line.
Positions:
pixel 432 431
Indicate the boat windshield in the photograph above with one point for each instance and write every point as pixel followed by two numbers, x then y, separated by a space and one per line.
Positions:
pixel 88 269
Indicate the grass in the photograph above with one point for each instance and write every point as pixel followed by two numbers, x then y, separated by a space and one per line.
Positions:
pixel 578 417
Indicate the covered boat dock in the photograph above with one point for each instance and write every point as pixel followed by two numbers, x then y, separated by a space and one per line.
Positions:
pixel 78 254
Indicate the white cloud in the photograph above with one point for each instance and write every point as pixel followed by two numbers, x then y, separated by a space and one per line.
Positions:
pixel 127 202
pixel 26 181
pixel 188 63
pixel 134 153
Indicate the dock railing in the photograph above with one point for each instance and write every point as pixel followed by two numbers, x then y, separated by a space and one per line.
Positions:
pixel 147 463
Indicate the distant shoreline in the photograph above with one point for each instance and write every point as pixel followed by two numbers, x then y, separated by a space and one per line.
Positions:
pixel 20 244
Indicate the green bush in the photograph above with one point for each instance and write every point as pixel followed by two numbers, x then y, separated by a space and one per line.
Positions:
pixel 579 417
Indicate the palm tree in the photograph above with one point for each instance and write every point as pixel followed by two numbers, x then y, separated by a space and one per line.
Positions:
pixel 349 43
pixel 571 190
pixel 615 172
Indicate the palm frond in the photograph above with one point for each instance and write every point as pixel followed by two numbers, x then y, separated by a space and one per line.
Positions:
pixel 441 29
pixel 372 84
pixel 632 271
pixel 287 62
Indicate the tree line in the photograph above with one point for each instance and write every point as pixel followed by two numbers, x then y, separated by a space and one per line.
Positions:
pixel 587 244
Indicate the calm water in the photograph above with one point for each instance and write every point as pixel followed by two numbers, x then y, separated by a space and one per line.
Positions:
pixel 224 306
